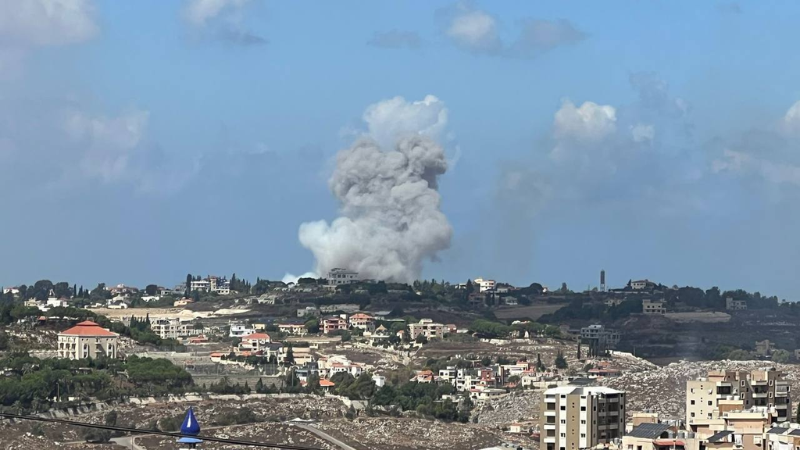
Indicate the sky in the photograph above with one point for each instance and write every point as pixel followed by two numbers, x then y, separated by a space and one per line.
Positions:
pixel 140 141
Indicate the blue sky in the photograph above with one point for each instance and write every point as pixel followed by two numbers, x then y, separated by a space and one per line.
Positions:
pixel 144 140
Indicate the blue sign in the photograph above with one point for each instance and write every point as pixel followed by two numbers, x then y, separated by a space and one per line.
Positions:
pixel 190 426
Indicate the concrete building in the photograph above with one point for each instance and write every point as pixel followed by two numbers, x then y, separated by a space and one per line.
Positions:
pixel 735 305
pixel 238 329
pixel 640 285
pixel 653 307
pixel 335 323
pixel 362 321
pixel 574 418
pixel 707 399
pixel 341 276
pixel 485 285
pixel 220 285
pixel 427 328
pixel 254 342
pixel 658 436
pixel 298 329
pixel 172 328
pixel 599 339
pixel 87 340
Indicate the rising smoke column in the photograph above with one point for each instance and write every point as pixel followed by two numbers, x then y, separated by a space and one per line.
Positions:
pixel 390 219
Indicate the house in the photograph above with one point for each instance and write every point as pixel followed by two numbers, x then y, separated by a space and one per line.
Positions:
pixel 239 329
pixel 298 329
pixel 150 298
pixel 12 290
pixel 334 323
pixel 424 376
pixel 339 276
pixel 326 385
pixel 216 356
pixel 427 328
pixel 308 311
pixel 197 340
pixel 732 304
pixel 764 348
pixel 362 321
pixel 219 285
pixel 653 307
pixel 254 342
pixel 485 285
pixel 640 285
pixel 379 380
pixel 182 302
pixel 87 340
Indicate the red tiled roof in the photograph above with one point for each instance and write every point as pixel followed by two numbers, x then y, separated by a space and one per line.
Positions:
pixel 216 355
pixel 326 383
pixel 361 316
pixel 88 328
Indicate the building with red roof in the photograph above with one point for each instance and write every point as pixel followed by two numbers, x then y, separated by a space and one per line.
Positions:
pixel 87 340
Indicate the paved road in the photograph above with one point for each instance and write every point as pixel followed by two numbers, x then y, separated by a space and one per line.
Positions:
pixel 324 435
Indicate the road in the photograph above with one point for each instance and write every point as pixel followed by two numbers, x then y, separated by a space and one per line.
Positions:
pixel 128 442
pixel 324 435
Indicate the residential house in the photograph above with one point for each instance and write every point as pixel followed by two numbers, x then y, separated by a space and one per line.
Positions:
pixel 182 303
pixel 308 311
pixel 339 276
pixel 239 329
pixel 254 343
pixel 87 340
pixel 653 307
pixel 298 329
pixel 427 328
pixel 485 285
pixel 362 321
pixel 640 285
pixel 172 328
pixel 334 323
pixel 732 304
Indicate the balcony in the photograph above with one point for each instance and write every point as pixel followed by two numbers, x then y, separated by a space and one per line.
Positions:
pixel 550 413
pixel 549 426
pixel 550 440
pixel 760 395
pixel 550 400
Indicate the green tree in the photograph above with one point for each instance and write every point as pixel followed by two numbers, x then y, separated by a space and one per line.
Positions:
pixel 781 356
pixel 561 362
pixel 151 289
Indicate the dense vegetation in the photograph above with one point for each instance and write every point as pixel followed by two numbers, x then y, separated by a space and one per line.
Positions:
pixel 33 384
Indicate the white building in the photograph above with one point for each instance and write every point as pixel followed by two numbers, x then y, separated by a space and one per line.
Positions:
pixel 87 340
pixel 219 285
pixel 342 276
pixel 239 329
pixel 172 328
pixel 485 285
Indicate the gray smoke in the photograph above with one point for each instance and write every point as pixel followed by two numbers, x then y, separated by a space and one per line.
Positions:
pixel 390 219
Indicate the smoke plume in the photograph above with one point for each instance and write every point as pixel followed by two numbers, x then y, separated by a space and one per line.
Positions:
pixel 390 220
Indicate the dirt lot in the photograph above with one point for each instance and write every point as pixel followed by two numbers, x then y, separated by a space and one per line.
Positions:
pixel 409 434
pixel 699 316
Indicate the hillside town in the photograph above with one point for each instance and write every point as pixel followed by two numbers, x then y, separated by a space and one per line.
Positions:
pixel 520 366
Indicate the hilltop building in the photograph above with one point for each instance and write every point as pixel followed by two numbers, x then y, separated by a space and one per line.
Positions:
pixel 87 340
pixel 342 276
pixel 427 328
pixel 599 339
pixel 653 307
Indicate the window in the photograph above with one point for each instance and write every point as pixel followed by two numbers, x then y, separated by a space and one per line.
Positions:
pixel 563 408
pixel 563 421
pixel 709 403
pixel 583 422
pixel 692 402
pixel 563 435
pixel 692 414
pixel 583 435
pixel 583 408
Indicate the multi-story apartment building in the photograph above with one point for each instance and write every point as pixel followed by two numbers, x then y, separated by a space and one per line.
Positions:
pixel 732 304
pixel 599 339
pixel 87 340
pixel 574 418
pixel 708 398
pixel 172 328
pixel 220 285
pixel 427 328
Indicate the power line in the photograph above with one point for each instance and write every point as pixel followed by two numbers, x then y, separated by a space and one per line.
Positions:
pixel 159 433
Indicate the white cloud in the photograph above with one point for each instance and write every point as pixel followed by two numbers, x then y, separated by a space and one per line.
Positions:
pixel 743 163
pixel 395 118
pixel 475 30
pixel 200 12
pixel 222 20
pixel 478 31
pixel 791 120
pixel 643 133
pixel 589 122
pixel 27 23
pixel 110 142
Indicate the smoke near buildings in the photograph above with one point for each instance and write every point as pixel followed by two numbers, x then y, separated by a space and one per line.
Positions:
pixel 390 219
